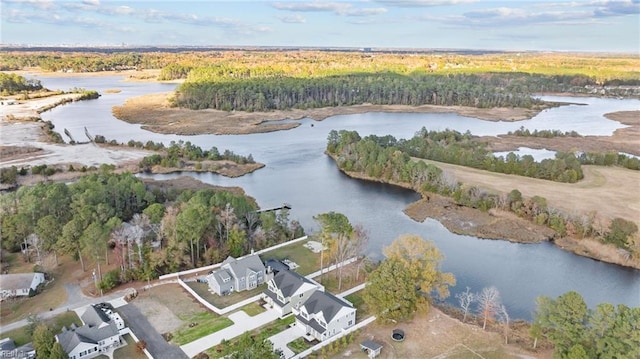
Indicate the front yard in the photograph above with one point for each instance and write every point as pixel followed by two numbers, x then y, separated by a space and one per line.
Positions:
pixel 21 336
pixel 198 325
pixel 260 334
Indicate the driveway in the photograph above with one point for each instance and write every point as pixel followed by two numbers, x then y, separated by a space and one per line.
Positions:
pixel 140 326
pixel 285 337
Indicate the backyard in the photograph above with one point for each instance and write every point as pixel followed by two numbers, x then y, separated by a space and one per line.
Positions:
pixel 308 261
pixel 223 301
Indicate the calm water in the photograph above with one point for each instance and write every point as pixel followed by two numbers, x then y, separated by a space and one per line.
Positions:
pixel 298 172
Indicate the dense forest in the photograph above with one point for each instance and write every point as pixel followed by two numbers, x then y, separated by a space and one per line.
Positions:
pixel 576 331
pixel 147 229
pixel 281 93
pixel 384 159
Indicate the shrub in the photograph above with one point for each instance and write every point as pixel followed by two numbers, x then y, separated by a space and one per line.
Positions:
pixel 110 280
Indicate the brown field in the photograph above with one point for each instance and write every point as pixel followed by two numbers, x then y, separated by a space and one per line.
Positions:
pixel 608 191
pixel 162 305
pixel 436 335
pixel 155 114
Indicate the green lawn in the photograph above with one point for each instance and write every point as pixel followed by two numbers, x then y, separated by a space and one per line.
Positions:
pixel 308 261
pixel 21 337
pixel 206 323
pixel 261 333
pixel 129 351
pixel 224 301
pixel 253 309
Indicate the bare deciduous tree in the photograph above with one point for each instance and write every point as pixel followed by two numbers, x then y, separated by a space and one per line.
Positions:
pixel 465 299
pixel 488 304
pixel 504 318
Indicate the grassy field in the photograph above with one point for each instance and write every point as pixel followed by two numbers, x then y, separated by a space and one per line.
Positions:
pixel 21 337
pixel 223 301
pixel 608 191
pixel 308 261
pixel 128 351
pixel 198 325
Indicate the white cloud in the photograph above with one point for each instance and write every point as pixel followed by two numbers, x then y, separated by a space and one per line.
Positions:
pixel 338 8
pixel 37 4
pixel 423 3
pixel 292 19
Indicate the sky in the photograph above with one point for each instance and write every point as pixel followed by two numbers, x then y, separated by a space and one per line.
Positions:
pixel 537 25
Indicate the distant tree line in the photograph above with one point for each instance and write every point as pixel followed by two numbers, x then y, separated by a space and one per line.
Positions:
pixel 610 158
pixel 524 132
pixel 383 158
pixel 279 92
pixel 453 147
pixel 11 84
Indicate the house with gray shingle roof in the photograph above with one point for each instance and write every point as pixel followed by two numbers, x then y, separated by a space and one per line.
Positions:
pixel 20 284
pixel 324 315
pixel 8 349
pixel 237 275
pixel 288 289
pixel 98 334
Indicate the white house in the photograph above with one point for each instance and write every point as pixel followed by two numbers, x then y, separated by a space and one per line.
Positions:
pixel 8 349
pixel 98 335
pixel 237 275
pixel 324 315
pixel 288 290
pixel 17 285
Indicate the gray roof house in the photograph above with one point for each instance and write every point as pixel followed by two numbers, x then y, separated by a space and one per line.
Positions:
pixel 8 349
pixel 324 315
pixel 240 274
pixel 288 289
pixel 98 334
pixel 16 285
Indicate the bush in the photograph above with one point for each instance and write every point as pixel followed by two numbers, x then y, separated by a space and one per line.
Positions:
pixel 109 280
pixel 619 231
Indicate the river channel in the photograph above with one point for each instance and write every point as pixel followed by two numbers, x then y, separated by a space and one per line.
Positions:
pixel 298 172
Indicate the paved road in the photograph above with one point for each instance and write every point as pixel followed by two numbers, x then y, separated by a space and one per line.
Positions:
pixel 140 326
pixel 65 308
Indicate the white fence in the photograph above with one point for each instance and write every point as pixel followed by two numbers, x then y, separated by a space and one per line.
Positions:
pixel 334 338
pixel 208 268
